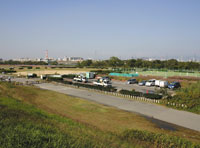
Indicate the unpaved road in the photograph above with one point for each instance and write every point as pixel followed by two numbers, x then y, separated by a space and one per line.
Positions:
pixel 181 118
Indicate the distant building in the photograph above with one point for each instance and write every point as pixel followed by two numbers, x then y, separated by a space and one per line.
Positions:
pixel 1 60
pixel 22 59
pixel 73 59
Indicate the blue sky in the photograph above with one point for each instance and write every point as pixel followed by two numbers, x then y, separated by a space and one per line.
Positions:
pixel 99 28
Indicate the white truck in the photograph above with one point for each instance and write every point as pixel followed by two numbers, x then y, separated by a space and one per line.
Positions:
pixel 160 83
pixel 164 84
pixel 157 83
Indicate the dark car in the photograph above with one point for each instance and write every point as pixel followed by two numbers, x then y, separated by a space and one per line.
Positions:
pixel 174 85
pixel 131 81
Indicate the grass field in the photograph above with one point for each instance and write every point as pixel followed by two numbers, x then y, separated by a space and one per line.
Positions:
pixel 169 73
pixel 48 70
pixel 29 113
pixel 41 70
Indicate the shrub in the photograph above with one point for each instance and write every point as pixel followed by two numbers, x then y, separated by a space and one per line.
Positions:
pixel 189 96
pixel 109 89
pixel 7 71
pixel 54 79
pixel 132 93
pixel 159 140
pixel 29 67
pixel 70 76
pixel 135 93
pixel 153 96
pixel 102 71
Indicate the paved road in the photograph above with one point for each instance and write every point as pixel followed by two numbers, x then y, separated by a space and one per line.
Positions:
pixel 181 118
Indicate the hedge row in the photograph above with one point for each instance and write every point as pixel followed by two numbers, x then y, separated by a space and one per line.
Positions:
pixel 55 79
pixel 60 80
pixel 109 89
pixel 140 94
pixel 153 96
pixel 7 71
pixel 132 93
pixel 70 76
pixel 101 71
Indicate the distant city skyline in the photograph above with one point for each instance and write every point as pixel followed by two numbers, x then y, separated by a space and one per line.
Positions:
pixel 65 58
pixel 100 29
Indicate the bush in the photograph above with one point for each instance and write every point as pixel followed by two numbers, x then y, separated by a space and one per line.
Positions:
pixel 102 88
pixel 189 96
pixel 102 71
pixel 54 79
pixel 132 93
pixel 153 96
pixel 7 71
pixel 139 94
pixel 29 67
pixel 70 76
pixel 67 82
pixel 37 67
pixel 158 140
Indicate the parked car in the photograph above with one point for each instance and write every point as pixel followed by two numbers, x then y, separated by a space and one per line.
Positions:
pixel 142 83
pixel 150 82
pixel 131 81
pixel 174 85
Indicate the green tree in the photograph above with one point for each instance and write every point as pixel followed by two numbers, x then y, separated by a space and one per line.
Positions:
pixel 115 62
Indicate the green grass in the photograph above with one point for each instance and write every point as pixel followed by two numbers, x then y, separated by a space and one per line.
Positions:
pixel 23 125
pixel 169 73
pixel 190 96
pixel 30 117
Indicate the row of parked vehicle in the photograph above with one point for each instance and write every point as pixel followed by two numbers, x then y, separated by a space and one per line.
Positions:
pixel 101 81
pixel 154 82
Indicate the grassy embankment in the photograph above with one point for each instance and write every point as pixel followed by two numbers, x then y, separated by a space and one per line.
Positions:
pixel 190 96
pixel 31 117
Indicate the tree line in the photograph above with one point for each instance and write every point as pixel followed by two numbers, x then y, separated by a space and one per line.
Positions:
pixel 11 62
pixel 115 62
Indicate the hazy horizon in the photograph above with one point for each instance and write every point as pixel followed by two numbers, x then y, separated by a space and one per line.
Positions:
pixel 100 29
